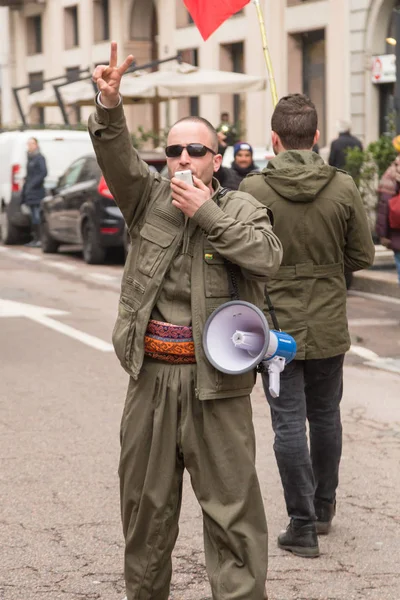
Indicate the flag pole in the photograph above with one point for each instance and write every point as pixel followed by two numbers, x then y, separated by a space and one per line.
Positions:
pixel 267 54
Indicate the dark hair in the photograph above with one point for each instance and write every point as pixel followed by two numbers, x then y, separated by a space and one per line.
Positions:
pixel 34 139
pixel 211 129
pixel 224 114
pixel 295 120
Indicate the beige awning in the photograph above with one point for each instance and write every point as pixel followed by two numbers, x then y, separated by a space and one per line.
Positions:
pixel 180 81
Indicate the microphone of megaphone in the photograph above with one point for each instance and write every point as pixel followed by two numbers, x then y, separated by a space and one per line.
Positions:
pixel 237 338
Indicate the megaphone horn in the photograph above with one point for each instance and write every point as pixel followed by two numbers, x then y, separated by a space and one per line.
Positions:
pixel 237 338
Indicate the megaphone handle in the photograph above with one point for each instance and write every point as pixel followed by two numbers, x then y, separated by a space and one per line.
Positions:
pixel 274 383
pixel 275 367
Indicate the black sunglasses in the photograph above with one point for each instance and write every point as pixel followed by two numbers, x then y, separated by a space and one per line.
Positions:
pixel 194 150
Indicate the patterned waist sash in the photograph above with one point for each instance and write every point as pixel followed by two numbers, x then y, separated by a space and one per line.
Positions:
pixel 169 343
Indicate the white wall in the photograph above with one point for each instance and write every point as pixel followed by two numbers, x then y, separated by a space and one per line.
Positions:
pixel 5 67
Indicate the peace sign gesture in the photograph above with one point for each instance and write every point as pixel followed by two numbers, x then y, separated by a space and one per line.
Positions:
pixel 108 77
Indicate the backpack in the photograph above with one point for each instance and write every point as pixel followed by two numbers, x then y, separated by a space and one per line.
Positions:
pixel 394 212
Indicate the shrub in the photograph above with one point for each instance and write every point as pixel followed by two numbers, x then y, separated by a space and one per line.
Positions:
pixel 367 167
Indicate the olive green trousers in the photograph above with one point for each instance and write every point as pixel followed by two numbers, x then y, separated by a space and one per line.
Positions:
pixel 164 430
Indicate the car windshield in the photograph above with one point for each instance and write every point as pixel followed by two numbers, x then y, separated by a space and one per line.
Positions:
pixel 261 163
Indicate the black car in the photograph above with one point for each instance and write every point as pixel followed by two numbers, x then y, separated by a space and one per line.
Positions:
pixel 81 210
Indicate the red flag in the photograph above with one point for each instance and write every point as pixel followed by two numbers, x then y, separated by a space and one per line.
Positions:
pixel 210 14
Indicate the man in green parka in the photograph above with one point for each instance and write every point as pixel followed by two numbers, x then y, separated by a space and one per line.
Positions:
pixel 319 218
pixel 179 411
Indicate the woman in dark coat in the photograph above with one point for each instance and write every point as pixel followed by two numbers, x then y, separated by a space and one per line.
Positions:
pixel 33 191
pixel 389 186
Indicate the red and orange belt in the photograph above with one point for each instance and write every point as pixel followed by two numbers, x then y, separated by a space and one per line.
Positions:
pixel 169 343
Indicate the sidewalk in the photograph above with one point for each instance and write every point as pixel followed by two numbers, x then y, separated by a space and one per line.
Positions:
pixel 381 278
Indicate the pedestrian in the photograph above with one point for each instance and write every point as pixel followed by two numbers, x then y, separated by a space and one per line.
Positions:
pixel 389 186
pixel 388 183
pixel 242 164
pixel 319 217
pixel 179 411
pixel 33 189
pixel 227 134
pixel 339 146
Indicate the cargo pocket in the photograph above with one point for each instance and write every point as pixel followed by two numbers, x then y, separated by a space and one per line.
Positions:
pixel 215 275
pixel 153 245
pixel 123 333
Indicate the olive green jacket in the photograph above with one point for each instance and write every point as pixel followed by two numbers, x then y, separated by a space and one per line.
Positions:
pixel 319 217
pixel 238 229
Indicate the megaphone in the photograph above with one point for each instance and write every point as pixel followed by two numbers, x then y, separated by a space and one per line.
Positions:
pixel 237 338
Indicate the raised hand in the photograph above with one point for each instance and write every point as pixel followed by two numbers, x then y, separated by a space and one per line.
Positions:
pixel 108 77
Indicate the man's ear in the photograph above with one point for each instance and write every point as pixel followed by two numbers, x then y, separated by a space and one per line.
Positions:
pixel 275 139
pixel 217 162
pixel 316 137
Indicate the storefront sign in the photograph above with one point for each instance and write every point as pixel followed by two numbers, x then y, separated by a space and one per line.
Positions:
pixel 384 68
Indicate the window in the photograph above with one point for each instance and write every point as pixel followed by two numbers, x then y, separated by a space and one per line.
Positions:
pixel 36 85
pixel 232 59
pixel 90 170
pixel 183 17
pixel 313 46
pixel 34 34
pixel 70 177
pixel 101 17
pixel 194 108
pixel 71 29
pixel 191 56
pixel 72 74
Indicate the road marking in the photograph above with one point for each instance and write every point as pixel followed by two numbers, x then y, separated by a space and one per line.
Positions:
pixel 363 352
pixel 19 254
pixel 373 322
pixel 369 296
pixel 60 265
pixel 77 269
pixel 102 277
pixel 25 255
pixel 377 362
pixel 41 315
pixel 385 364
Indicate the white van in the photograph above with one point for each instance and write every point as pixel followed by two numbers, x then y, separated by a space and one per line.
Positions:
pixel 60 147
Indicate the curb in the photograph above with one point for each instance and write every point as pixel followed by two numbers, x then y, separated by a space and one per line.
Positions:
pixel 377 281
pixel 381 278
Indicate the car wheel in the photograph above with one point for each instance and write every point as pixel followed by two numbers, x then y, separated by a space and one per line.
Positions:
pixel 10 234
pixel 49 244
pixel 93 252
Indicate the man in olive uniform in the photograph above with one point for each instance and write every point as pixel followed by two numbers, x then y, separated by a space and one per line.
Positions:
pixel 320 220
pixel 179 411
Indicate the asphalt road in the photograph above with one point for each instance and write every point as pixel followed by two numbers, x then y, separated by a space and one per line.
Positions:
pixel 61 397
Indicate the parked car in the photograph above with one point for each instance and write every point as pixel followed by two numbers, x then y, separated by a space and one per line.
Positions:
pixel 59 148
pixel 81 210
pixel 155 159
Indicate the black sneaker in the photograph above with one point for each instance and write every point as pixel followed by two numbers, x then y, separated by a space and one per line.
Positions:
pixel 325 512
pixel 300 538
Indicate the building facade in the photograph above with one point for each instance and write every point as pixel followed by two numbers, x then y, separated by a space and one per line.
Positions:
pixel 325 48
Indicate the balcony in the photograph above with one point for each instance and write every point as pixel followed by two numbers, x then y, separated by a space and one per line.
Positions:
pixel 19 3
